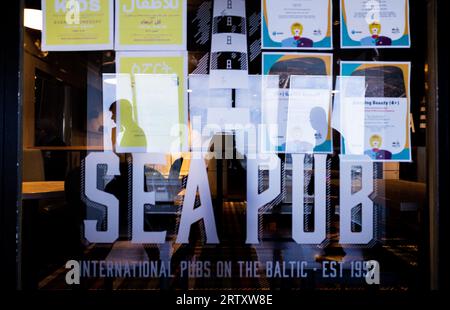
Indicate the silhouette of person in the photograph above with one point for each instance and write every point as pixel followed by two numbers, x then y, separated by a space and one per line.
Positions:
pixel 130 134
pixel 299 143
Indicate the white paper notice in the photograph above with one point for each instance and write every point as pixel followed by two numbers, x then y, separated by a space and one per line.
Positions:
pixel 294 24
pixel 308 113
pixel 380 23
pixel 157 110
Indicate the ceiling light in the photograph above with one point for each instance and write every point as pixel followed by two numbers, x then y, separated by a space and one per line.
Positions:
pixel 32 19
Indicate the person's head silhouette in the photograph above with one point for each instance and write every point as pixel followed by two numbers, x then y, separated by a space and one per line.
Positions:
pixel 131 134
pixel 125 110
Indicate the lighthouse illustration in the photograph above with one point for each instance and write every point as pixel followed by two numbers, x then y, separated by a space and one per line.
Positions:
pixel 229 55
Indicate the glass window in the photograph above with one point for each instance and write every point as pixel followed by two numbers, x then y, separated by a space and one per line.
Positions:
pixel 226 164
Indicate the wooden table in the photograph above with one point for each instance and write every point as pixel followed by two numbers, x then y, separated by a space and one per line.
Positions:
pixel 42 190
pixel 67 148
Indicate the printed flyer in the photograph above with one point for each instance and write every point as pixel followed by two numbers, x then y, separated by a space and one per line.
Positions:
pixel 154 90
pixel 383 132
pixel 211 111
pixel 375 23
pixel 150 25
pixel 298 102
pixel 77 25
pixel 297 24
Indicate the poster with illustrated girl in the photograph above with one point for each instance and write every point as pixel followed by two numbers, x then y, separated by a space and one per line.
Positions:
pixel 375 24
pixel 296 102
pixel 296 24
pixel 374 110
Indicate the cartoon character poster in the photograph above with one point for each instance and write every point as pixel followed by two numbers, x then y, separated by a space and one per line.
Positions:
pixel 375 24
pixel 377 122
pixel 296 24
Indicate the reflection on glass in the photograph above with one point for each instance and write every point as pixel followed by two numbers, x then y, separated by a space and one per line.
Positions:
pixel 270 113
pixel 296 118
pixel 308 114
pixel 349 113
pixel 212 112
pixel 158 110
pixel 202 100
pixel 130 133
pixel 147 116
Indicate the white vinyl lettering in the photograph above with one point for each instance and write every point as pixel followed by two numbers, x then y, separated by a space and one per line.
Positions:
pixel 256 200
pixel 298 195
pixel 108 200
pixel 141 198
pixel 349 200
pixel 198 179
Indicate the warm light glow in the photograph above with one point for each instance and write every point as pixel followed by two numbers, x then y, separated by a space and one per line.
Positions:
pixel 32 19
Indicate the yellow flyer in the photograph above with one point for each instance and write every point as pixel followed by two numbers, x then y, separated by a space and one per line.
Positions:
pixel 152 87
pixel 77 25
pixel 150 25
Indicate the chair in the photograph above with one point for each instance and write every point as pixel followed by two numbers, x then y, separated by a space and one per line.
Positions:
pixel 174 178
pixel 165 189
pixel 175 169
